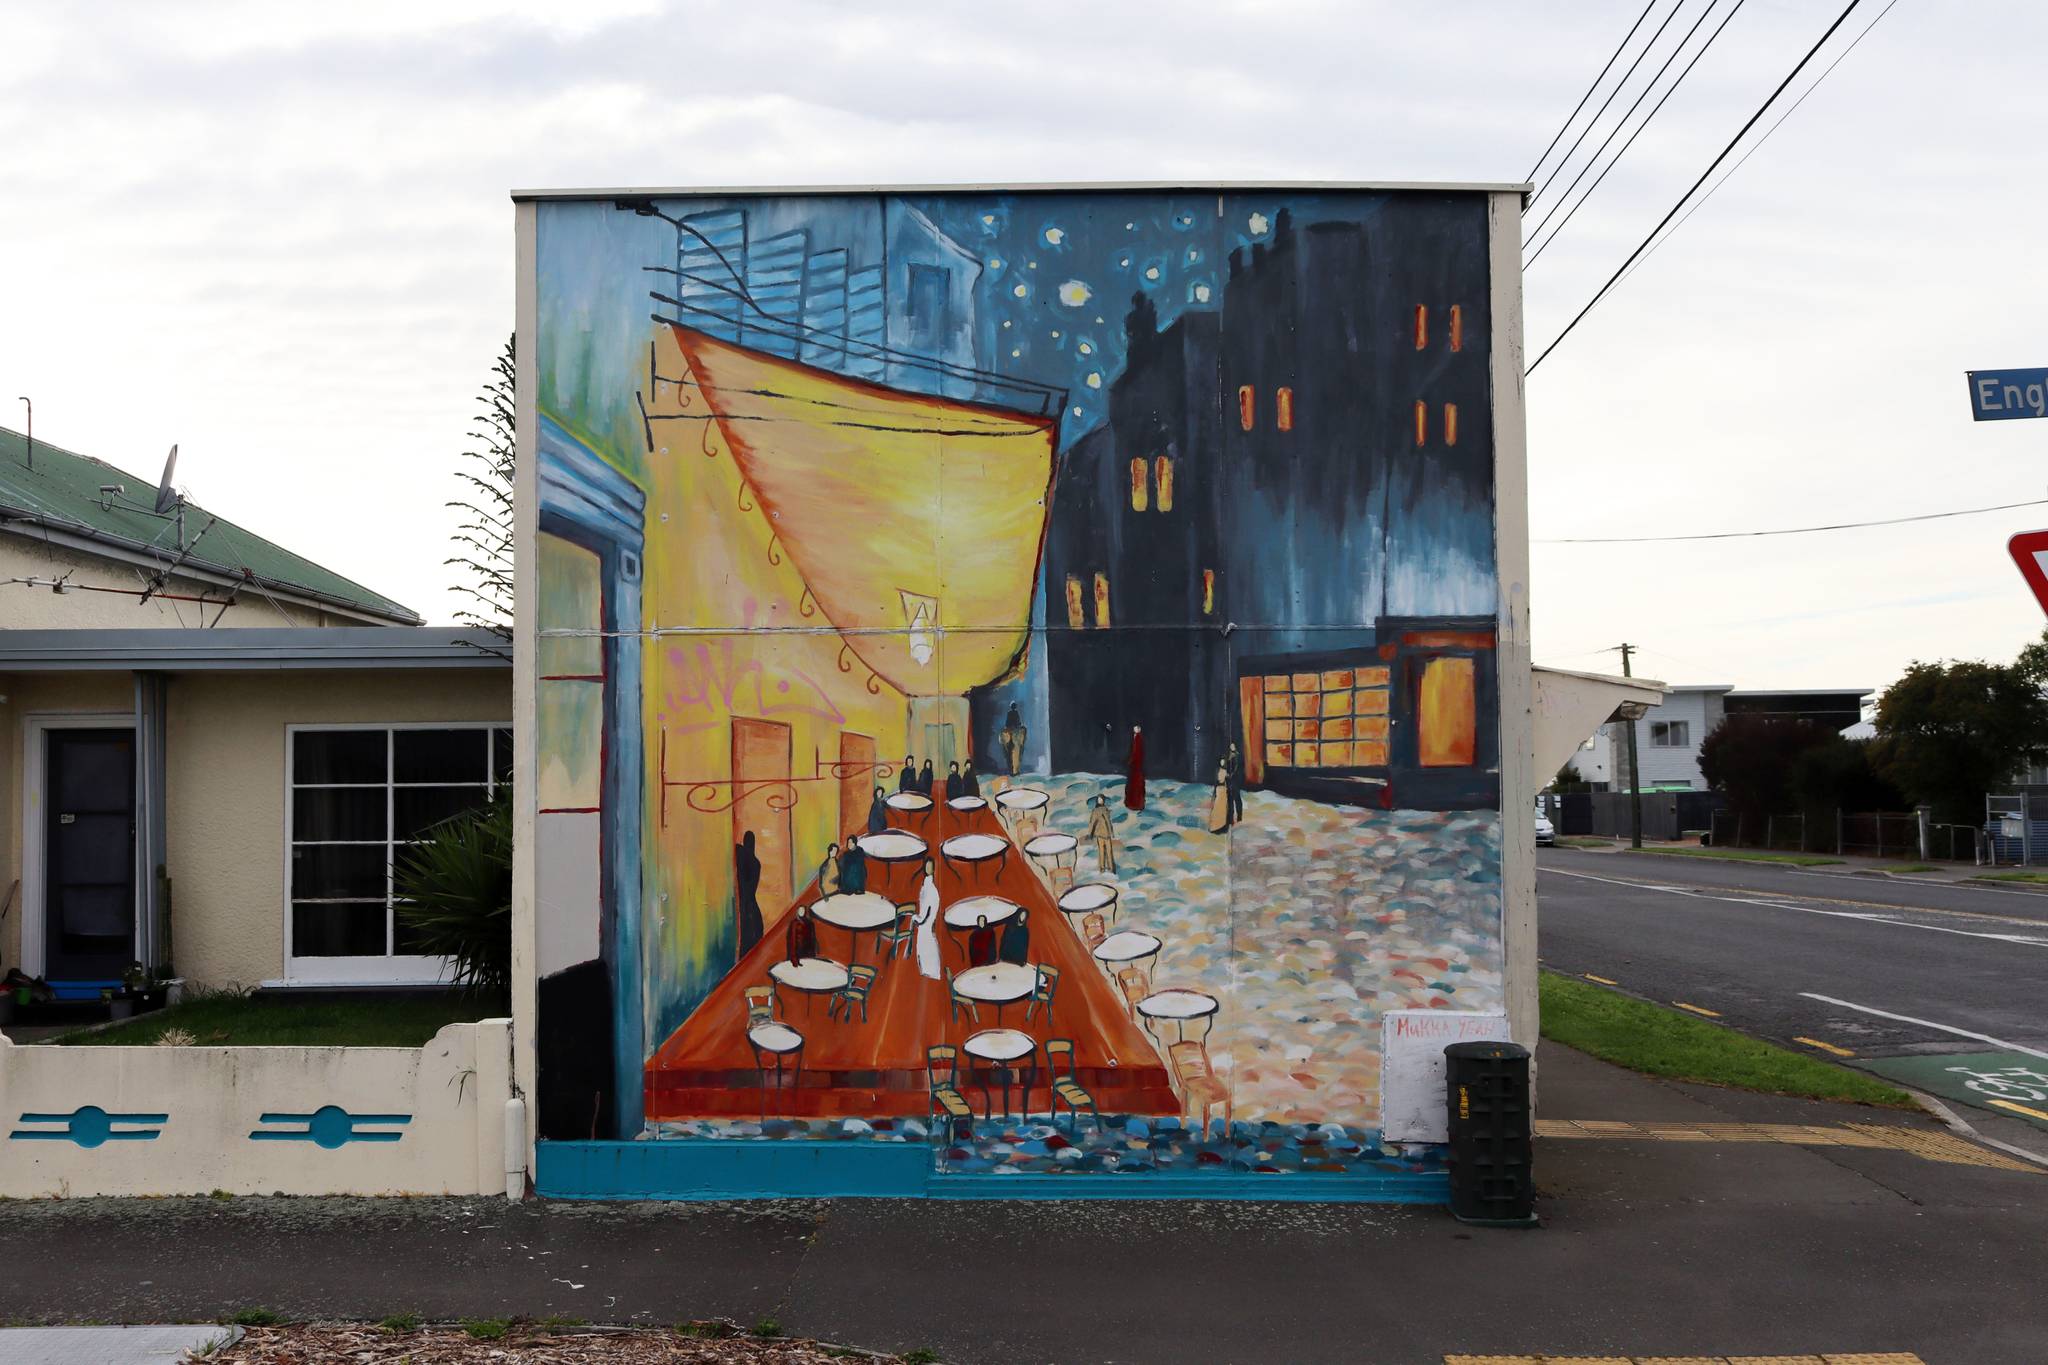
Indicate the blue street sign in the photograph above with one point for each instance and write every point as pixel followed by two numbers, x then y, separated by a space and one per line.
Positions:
pixel 2001 395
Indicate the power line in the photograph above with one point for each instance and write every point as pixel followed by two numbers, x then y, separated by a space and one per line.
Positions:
pixel 1668 93
pixel 1594 122
pixel 1794 530
pixel 1694 187
pixel 1566 126
pixel 1715 188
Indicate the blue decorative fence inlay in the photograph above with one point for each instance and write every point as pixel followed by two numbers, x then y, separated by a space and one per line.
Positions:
pixel 331 1126
pixel 89 1126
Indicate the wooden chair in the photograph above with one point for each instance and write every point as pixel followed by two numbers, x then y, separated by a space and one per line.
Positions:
pixel 1135 987
pixel 1195 1078
pixel 760 1005
pixel 1059 1070
pixel 1041 994
pixel 944 1087
pixel 959 1001
pixel 898 936
pixel 1093 931
pixel 859 977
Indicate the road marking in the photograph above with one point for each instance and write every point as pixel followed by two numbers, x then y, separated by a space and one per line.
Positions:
pixel 1927 1023
pixel 1824 1358
pixel 1886 917
pixel 1824 1047
pixel 1601 979
pixel 1696 1009
pixel 2019 1109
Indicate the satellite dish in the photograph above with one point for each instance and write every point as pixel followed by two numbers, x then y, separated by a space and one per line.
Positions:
pixel 166 496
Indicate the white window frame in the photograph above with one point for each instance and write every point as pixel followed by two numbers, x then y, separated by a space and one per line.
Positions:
pixel 35 729
pixel 387 969
pixel 1667 742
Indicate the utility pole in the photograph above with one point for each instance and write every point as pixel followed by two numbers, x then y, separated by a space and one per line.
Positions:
pixel 1635 790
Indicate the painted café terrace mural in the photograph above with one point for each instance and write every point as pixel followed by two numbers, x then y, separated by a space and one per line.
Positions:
pixel 1016 671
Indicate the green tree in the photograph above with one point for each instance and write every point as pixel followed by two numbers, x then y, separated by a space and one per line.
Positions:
pixel 1569 780
pixel 1749 760
pixel 1947 733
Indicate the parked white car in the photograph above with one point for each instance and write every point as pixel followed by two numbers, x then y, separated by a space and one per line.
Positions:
pixel 1546 833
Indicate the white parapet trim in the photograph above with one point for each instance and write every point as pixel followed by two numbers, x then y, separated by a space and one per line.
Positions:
pixel 78 1121
pixel 1571 706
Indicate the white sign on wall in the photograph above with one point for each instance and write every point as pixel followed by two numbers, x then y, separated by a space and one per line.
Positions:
pixel 1412 1044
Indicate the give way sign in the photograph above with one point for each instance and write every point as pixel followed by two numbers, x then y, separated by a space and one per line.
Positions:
pixel 2030 551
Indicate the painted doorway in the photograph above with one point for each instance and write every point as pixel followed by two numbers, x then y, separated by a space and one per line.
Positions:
pixel 857 782
pixel 760 777
pixel 940 746
pixel 89 853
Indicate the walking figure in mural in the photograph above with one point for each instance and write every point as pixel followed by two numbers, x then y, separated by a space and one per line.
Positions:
pixel 954 787
pixel 1233 761
pixel 853 869
pixel 1013 740
pixel 1134 770
pixel 970 785
pixel 927 922
pixel 1219 799
pixel 1102 833
pixel 878 812
pixel 828 872
pixel 801 940
pixel 925 781
pixel 981 944
pixel 1016 942
pixel 906 781
pixel 746 880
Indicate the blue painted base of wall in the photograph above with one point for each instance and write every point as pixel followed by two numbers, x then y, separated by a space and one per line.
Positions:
pixel 710 1169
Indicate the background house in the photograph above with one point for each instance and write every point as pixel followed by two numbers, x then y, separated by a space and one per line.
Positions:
pixel 1669 736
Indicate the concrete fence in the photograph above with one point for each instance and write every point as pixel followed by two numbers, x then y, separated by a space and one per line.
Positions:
pixel 261 1120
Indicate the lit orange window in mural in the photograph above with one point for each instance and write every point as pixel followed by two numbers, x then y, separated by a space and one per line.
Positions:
pixel 1101 599
pixel 1457 328
pixel 1247 406
pixel 1075 616
pixel 1162 474
pixel 1421 422
pixel 1208 592
pixel 1450 424
pixel 1139 487
pixel 1447 714
pixel 1283 409
pixel 1421 326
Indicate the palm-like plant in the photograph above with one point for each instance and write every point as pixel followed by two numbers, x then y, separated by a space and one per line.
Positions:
pixel 454 893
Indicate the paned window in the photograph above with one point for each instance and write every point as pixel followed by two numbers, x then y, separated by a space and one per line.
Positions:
pixel 1331 718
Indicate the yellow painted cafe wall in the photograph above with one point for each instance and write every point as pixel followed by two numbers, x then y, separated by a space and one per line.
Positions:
pixel 737 646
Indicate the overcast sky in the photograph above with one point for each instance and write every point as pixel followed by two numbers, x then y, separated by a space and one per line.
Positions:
pixel 279 235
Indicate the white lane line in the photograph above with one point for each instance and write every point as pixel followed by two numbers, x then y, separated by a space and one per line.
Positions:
pixel 1885 917
pixel 1926 1023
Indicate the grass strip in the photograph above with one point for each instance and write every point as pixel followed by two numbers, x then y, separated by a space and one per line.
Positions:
pixel 2035 877
pixel 239 1020
pixel 1648 1038
pixel 1740 855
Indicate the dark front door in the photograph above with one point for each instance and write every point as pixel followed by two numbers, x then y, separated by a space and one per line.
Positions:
pixel 89 886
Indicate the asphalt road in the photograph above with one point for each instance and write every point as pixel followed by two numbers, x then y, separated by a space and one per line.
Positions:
pixel 1907 969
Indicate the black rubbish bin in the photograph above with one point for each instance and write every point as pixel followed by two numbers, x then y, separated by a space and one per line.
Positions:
pixel 1486 1087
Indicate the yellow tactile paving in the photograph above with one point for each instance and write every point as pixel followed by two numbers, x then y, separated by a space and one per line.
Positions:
pixel 1854 1358
pixel 1944 1147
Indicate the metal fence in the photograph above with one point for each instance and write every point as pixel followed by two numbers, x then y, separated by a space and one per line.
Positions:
pixel 2016 828
pixel 1873 834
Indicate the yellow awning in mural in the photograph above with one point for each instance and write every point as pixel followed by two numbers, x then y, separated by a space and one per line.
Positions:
pixel 916 522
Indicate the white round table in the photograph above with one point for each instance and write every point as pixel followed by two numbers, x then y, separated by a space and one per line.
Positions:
pixel 1180 1006
pixel 998 984
pixel 975 849
pixel 1024 805
pixel 893 846
pixel 1057 850
pixel 777 1040
pixel 1127 945
pixel 1002 1049
pixel 914 802
pixel 1089 897
pixel 965 914
pixel 813 976
pixel 859 913
pixel 966 803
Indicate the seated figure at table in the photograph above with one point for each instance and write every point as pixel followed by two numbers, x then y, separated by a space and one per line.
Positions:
pixel 953 787
pixel 878 812
pixel 801 938
pixel 981 944
pixel 924 778
pixel 853 869
pixel 828 872
pixel 906 781
pixel 1016 944
pixel 970 785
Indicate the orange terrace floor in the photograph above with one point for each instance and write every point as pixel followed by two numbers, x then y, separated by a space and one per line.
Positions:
pixel 876 1068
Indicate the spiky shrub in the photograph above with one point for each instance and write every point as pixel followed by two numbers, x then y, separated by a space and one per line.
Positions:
pixel 454 894
pixel 483 541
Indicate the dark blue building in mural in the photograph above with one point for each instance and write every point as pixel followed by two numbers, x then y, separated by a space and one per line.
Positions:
pixel 1282 534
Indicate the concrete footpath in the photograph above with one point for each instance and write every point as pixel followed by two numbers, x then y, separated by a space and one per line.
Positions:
pixel 1678 1221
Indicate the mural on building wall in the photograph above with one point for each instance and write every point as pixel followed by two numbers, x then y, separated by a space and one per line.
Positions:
pixel 1016 672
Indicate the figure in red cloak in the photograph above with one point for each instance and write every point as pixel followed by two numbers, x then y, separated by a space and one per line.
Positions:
pixel 1134 768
